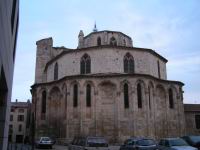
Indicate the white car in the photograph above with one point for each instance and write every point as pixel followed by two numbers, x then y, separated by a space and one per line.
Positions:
pixel 44 142
pixel 174 144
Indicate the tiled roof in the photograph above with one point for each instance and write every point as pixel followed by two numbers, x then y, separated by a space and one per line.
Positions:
pixel 192 107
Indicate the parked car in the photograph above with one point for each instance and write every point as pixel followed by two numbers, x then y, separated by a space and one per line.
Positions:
pixel 44 142
pixel 139 144
pixel 174 144
pixel 192 140
pixel 88 143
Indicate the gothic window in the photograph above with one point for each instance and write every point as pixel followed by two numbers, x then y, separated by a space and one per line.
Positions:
pixel 56 71
pixel 171 100
pixel 85 65
pixel 139 95
pixel 75 95
pixel 126 96
pixel 88 95
pixel 98 41
pixel 124 42
pixel 197 121
pixel 43 102
pixel 128 63
pixel 113 41
pixel 158 64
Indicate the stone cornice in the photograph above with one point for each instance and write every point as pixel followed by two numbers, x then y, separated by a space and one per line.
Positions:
pixel 113 75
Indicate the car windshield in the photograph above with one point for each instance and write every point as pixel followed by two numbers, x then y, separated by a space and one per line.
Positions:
pixel 177 142
pixel 45 139
pixel 146 142
pixel 97 142
pixel 195 139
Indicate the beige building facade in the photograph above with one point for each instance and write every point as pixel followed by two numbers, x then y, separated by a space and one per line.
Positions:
pixel 19 122
pixel 105 87
pixel 192 118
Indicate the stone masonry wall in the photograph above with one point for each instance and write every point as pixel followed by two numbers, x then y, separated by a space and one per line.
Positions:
pixel 107 60
pixel 107 115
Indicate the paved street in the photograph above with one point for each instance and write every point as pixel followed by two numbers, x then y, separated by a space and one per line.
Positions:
pixel 55 147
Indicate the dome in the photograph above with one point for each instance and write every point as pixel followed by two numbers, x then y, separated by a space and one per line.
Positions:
pixel 105 37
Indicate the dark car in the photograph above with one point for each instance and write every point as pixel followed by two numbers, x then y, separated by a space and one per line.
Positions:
pixel 139 144
pixel 192 140
pixel 89 143
pixel 44 142
pixel 174 144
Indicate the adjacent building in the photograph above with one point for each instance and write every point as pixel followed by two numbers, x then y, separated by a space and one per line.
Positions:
pixel 105 87
pixel 19 122
pixel 192 118
pixel 9 18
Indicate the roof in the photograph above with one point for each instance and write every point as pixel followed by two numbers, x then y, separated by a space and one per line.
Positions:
pixel 108 31
pixel 192 107
pixel 66 51
pixel 19 104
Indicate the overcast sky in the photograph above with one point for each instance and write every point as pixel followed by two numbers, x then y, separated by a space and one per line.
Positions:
pixel 171 28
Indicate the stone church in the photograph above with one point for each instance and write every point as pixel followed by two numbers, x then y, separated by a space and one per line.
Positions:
pixel 105 87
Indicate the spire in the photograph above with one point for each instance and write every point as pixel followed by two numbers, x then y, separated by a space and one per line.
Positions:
pixel 95 27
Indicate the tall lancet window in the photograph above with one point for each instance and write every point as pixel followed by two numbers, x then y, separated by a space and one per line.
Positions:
pixel 98 41
pixel 158 65
pixel 88 95
pixel 126 96
pixel 44 102
pixel 56 71
pixel 85 64
pixel 139 95
pixel 171 99
pixel 43 105
pixel 75 95
pixel 128 63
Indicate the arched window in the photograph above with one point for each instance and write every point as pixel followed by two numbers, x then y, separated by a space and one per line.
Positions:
pixel 56 71
pixel 85 65
pixel 171 100
pixel 128 63
pixel 43 102
pixel 126 96
pixel 75 95
pixel 158 65
pixel 88 95
pixel 98 41
pixel 113 41
pixel 139 95
pixel 124 42
pixel 149 89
